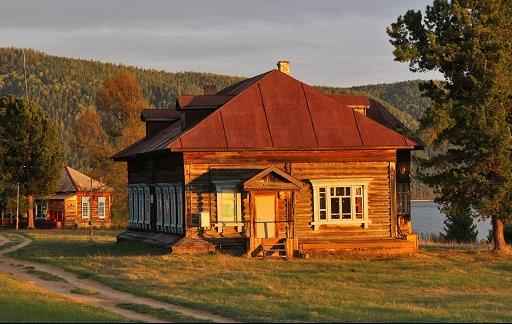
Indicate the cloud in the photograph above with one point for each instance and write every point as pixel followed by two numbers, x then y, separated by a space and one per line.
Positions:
pixel 328 42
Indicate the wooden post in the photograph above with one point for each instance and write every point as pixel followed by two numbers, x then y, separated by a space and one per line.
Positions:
pixel 392 194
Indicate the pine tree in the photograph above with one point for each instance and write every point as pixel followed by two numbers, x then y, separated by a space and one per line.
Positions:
pixel 469 42
pixel 459 226
pixel 31 149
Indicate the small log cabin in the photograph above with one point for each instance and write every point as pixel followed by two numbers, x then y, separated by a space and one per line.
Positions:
pixel 78 199
pixel 275 165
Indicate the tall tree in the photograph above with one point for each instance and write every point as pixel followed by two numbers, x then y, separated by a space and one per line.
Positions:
pixel 469 42
pixel 32 151
pixel 120 103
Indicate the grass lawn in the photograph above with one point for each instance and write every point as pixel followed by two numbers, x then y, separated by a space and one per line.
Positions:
pixel 16 298
pixel 441 284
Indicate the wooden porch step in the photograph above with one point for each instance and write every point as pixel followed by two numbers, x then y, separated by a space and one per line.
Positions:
pixel 274 248
pixel 165 241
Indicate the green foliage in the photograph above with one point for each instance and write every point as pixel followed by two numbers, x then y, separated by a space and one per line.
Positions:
pixel 470 118
pixel 65 87
pixel 32 152
pixel 459 226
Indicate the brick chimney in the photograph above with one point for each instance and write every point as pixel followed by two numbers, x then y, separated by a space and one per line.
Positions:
pixel 284 66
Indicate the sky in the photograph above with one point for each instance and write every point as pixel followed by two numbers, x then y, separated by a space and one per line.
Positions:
pixel 335 43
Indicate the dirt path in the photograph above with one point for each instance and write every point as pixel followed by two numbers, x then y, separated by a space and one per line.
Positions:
pixel 3 240
pixel 107 297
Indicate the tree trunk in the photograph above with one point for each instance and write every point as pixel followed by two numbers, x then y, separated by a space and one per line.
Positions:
pixel 30 212
pixel 500 246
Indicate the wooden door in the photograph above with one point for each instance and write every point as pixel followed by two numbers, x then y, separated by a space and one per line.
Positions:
pixel 265 215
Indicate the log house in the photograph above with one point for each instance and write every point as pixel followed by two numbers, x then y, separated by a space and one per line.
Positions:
pixel 275 166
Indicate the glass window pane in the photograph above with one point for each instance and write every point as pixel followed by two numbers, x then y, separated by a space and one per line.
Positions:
pixel 323 215
pixel 228 206
pixel 340 191
pixel 359 205
pixel 359 191
pixel 335 205
pixel 345 205
pixel 332 192
pixel 322 200
pixel 347 191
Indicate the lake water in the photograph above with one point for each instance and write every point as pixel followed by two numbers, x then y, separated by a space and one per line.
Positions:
pixel 428 220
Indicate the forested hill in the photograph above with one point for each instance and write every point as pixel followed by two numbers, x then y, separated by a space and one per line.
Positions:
pixel 66 86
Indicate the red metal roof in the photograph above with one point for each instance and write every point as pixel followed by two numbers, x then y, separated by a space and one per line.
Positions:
pixel 280 112
pixel 274 111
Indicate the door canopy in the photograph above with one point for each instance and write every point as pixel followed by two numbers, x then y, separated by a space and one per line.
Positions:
pixel 272 179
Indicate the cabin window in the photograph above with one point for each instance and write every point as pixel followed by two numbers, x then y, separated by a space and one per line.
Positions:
pixel 340 201
pixel 86 207
pixel 101 207
pixel 403 192
pixel 159 208
pixel 229 204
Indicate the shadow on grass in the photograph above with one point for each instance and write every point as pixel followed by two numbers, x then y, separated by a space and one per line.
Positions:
pixel 40 250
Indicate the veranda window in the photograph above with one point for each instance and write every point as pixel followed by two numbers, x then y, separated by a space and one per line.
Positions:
pixel 340 201
pixel 229 204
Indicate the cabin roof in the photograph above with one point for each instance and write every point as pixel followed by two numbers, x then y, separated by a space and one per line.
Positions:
pixel 72 180
pixel 274 111
pixel 159 115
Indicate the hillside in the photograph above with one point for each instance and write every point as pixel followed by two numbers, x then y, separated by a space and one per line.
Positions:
pixel 66 86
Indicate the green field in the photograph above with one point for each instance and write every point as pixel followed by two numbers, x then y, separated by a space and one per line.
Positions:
pixel 441 284
pixel 23 302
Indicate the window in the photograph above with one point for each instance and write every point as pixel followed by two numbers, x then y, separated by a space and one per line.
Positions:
pixel 159 209
pixel 86 207
pixel 340 201
pixel 130 206
pixel 229 204
pixel 403 193
pixel 101 207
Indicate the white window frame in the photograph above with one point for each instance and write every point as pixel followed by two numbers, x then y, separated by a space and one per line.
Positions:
pixel 86 200
pixel 228 186
pixel 102 200
pixel 346 182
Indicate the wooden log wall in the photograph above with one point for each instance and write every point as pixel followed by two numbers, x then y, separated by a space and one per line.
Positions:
pixel 200 192
pixel 378 200
pixel 159 168
pixel 84 223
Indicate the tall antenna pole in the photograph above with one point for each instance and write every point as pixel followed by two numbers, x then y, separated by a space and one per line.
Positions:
pixel 25 73
pixel 18 207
